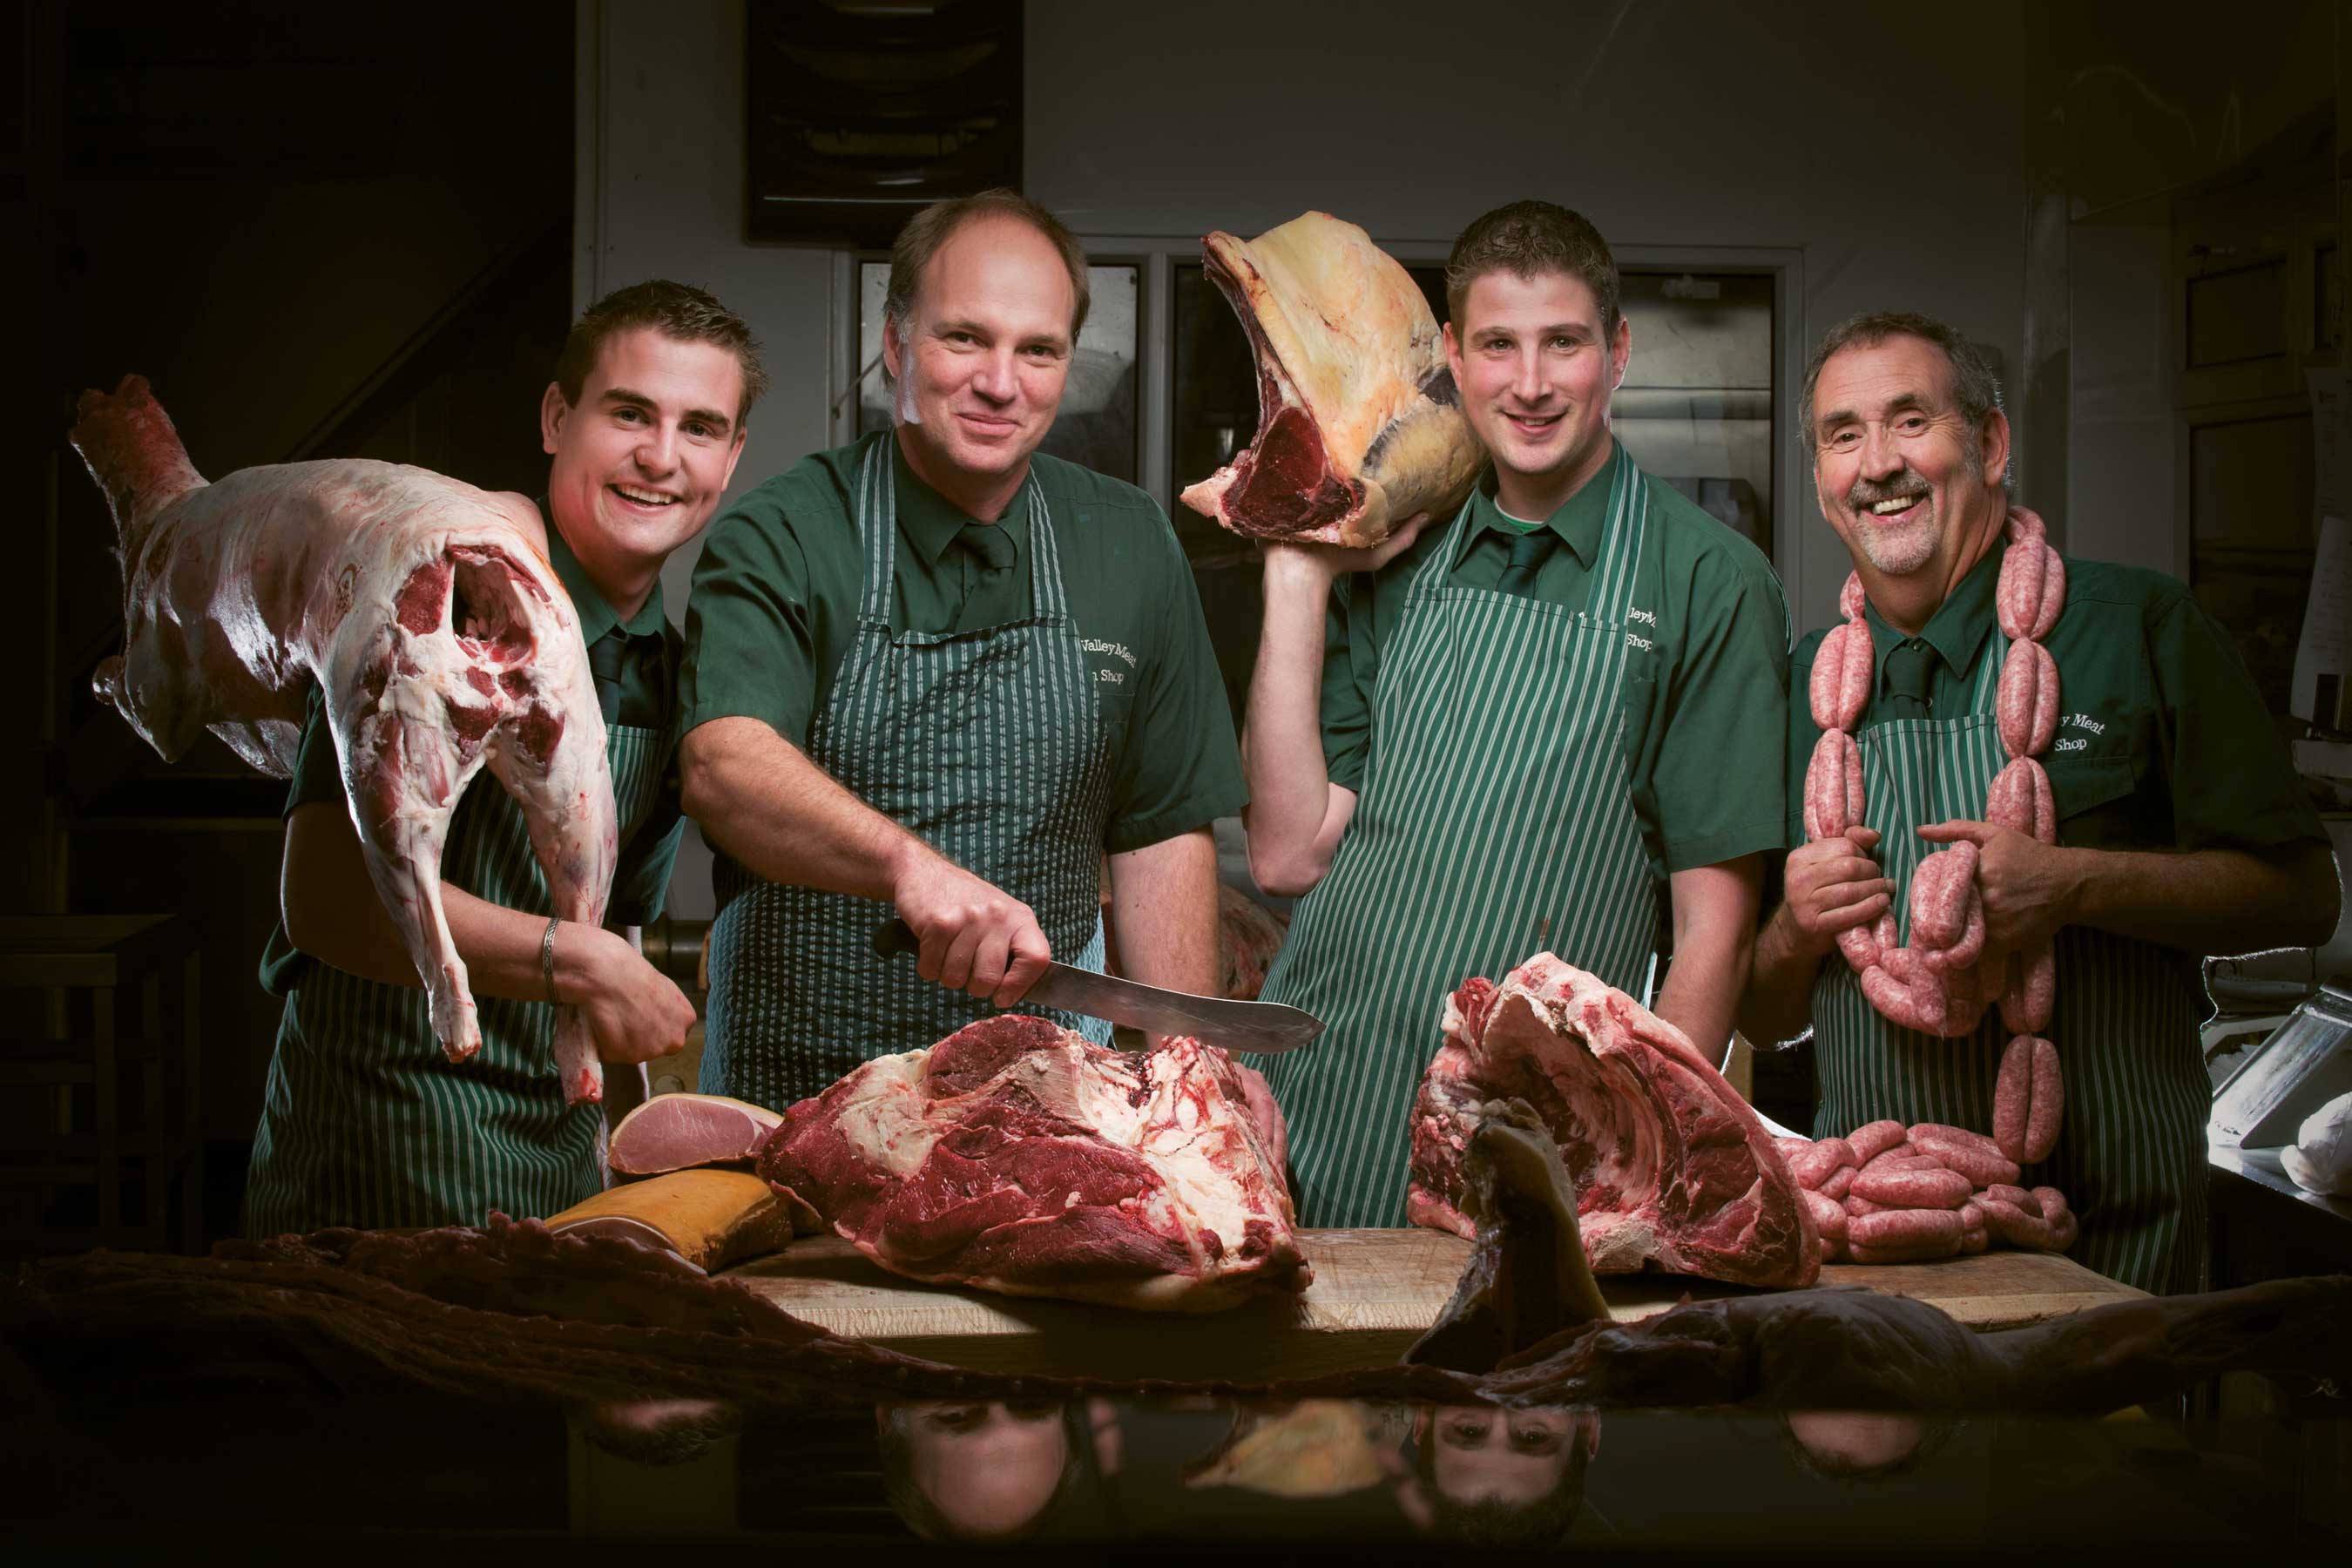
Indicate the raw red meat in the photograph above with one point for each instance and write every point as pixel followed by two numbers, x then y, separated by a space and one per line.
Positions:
pixel 426 609
pixel 1360 423
pixel 1016 1156
pixel 1673 1170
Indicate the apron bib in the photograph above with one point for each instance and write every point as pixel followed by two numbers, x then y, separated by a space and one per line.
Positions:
pixel 986 745
pixel 2130 1156
pixel 364 1121
pixel 1497 820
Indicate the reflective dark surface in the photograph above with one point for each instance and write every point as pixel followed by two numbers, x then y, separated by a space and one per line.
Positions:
pixel 271 1460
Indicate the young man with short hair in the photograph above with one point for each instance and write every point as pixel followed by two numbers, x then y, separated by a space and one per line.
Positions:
pixel 366 1122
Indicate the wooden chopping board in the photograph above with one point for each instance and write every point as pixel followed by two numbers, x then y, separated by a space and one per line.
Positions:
pixel 1374 1293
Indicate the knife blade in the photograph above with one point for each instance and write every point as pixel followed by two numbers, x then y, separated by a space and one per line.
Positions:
pixel 1264 1028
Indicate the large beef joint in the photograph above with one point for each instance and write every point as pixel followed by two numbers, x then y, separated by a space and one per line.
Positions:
pixel 1017 1157
pixel 1673 1170
pixel 1360 424
pixel 427 612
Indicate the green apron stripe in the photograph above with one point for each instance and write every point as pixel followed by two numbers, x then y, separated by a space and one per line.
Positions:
pixel 1495 818
pixel 986 744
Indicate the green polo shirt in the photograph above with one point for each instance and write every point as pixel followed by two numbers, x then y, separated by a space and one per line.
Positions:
pixel 774 609
pixel 1707 666
pixel 2163 742
pixel 649 661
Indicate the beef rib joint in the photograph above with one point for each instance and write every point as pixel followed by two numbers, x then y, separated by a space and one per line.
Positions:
pixel 428 611
pixel 1673 1170
pixel 1360 424
pixel 1017 1157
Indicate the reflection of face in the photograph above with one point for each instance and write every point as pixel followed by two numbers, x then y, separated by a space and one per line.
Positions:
pixel 982 356
pixel 1509 1457
pixel 1856 1443
pixel 1902 477
pixel 641 463
pixel 989 1469
pixel 1535 373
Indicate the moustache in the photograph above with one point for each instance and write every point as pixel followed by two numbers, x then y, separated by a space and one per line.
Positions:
pixel 1870 492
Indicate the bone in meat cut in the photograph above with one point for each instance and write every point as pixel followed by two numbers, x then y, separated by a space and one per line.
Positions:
pixel 1360 424
pixel 1016 1156
pixel 426 610
pixel 1672 1171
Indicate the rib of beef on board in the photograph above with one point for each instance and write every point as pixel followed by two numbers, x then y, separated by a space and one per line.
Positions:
pixel 1673 1170
pixel 1360 424
pixel 428 611
pixel 1016 1156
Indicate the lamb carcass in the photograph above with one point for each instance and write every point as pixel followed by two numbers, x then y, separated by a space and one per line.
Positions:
pixel 1018 1157
pixel 1360 423
pixel 426 610
pixel 1673 1170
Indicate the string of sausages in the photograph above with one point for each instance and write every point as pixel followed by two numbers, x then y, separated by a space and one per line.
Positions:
pixel 1934 985
pixel 1890 1194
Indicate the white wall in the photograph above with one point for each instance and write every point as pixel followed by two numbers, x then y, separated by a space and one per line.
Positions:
pixel 1886 147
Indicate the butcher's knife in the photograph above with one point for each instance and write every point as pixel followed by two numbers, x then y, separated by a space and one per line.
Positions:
pixel 1265 1027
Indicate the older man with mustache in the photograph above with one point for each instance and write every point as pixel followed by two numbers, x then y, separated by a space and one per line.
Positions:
pixel 2181 829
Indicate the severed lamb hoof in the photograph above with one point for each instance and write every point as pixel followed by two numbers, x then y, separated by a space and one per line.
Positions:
pixel 1526 1278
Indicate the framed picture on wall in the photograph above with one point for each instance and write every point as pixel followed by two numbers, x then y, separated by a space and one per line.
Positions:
pixel 1097 426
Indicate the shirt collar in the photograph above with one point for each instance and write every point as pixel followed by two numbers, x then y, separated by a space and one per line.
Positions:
pixel 1579 521
pixel 928 521
pixel 1957 628
pixel 588 602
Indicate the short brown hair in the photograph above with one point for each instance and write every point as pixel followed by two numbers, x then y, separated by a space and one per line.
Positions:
pixel 677 311
pixel 1976 391
pixel 1528 238
pixel 932 227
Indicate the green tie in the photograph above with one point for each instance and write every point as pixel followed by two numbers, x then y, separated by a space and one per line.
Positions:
pixel 1909 666
pixel 990 543
pixel 604 669
pixel 1528 552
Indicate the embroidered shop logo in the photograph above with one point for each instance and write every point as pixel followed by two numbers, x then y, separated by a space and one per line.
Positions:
pixel 1116 650
pixel 1642 617
pixel 2078 721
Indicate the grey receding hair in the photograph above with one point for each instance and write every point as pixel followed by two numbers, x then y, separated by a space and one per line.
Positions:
pixel 1976 391
pixel 928 230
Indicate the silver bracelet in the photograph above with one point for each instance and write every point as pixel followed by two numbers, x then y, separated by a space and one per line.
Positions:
pixel 547 957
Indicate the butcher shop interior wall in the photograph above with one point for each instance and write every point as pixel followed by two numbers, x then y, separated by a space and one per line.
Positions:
pixel 329 231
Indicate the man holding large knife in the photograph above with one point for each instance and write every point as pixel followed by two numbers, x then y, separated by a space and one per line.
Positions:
pixel 937 672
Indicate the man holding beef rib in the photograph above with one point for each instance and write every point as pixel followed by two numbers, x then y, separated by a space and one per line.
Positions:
pixel 1551 721
pixel 938 673
pixel 366 1122
pixel 2172 824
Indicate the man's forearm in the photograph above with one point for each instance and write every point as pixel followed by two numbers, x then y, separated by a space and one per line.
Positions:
pixel 2210 902
pixel 1777 1004
pixel 333 913
pixel 761 799
pixel 1715 926
pixel 1282 738
pixel 1164 907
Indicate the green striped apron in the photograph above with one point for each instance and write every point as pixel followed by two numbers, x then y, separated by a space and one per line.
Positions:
pixel 1497 820
pixel 2131 1150
pixel 983 743
pixel 366 1122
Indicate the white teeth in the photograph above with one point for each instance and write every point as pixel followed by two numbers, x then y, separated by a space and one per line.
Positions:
pixel 645 498
pixel 1899 504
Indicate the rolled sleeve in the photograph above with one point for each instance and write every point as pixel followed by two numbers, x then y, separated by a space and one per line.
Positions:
pixel 751 647
pixel 1180 768
pixel 1718 782
pixel 317 772
pixel 1346 696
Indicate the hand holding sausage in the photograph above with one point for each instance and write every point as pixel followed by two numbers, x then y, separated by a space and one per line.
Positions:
pixel 1832 885
pixel 2029 889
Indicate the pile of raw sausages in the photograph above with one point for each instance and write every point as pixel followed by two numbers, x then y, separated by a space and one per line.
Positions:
pixel 1891 1193
pixel 1934 986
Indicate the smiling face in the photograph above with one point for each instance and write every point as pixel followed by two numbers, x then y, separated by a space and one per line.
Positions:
pixel 642 461
pixel 981 358
pixel 1535 371
pixel 1913 488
